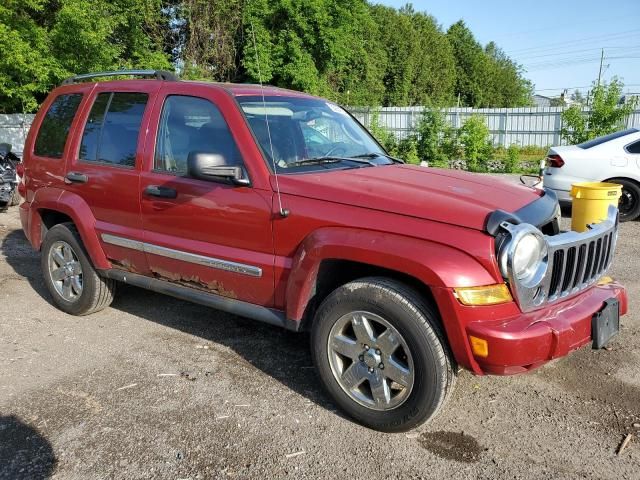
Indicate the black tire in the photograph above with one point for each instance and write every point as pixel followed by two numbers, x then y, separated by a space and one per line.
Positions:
pixel 629 206
pixel 417 322
pixel 97 292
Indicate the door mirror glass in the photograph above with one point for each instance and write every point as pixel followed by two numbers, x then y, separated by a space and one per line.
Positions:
pixel 215 167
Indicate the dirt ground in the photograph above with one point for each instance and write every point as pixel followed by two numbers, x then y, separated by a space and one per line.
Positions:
pixel 154 387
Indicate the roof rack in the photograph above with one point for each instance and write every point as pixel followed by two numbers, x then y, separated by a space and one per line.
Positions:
pixel 158 74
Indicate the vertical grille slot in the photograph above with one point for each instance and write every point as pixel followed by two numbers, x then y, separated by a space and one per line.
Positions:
pixel 580 264
pixel 587 270
pixel 596 259
pixel 558 261
pixel 569 269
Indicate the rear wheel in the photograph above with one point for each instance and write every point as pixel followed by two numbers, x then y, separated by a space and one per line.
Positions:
pixel 381 355
pixel 74 284
pixel 629 205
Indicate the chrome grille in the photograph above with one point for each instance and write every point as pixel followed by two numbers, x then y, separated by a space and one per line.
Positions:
pixel 576 265
pixel 575 261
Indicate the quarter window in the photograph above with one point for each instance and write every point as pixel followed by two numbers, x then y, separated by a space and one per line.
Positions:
pixel 191 124
pixel 111 133
pixel 634 147
pixel 55 126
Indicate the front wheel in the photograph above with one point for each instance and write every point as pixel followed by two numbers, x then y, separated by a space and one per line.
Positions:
pixel 381 354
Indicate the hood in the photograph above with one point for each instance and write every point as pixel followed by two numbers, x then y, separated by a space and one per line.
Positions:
pixel 448 196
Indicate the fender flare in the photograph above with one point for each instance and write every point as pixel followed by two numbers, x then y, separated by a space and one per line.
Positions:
pixel 434 264
pixel 74 207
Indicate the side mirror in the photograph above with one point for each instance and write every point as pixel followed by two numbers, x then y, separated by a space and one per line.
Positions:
pixel 214 167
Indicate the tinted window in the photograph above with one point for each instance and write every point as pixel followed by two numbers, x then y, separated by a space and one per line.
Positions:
pixel 634 147
pixel 190 124
pixel 111 133
pixel 606 138
pixel 55 126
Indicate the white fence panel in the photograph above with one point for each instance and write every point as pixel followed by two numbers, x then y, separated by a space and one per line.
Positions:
pixel 539 126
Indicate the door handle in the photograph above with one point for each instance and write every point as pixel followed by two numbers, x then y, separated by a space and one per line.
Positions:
pixel 75 177
pixel 162 192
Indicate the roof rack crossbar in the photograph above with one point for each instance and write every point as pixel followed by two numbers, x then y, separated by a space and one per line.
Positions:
pixel 158 74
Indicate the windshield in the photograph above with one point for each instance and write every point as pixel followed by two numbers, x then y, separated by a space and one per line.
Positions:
pixel 308 134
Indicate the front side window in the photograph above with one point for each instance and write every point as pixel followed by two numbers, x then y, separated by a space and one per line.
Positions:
pixel 298 134
pixel 111 133
pixel 191 124
pixel 55 126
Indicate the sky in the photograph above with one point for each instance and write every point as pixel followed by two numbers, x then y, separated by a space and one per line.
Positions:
pixel 559 43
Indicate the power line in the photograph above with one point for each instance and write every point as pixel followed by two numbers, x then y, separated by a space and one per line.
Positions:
pixel 567 52
pixel 588 40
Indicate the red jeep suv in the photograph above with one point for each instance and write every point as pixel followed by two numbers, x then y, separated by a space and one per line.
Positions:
pixel 280 206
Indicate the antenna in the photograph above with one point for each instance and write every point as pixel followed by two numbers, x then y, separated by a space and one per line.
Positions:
pixel 283 212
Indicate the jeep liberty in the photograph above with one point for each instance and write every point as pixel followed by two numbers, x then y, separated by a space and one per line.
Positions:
pixel 279 206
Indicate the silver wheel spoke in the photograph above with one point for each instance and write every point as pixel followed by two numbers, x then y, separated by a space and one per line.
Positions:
pixel 66 288
pixel 388 341
pixel 396 372
pixel 362 328
pixel 355 375
pixel 58 274
pixel 67 254
pixel 346 346
pixel 57 258
pixel 380 389
pixel 76 284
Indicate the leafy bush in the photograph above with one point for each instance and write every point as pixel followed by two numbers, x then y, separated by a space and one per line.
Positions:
pixel 384 136
pixel 474 137
pixel 432 130
pixel 605 116
pixel 407 150
pixel 512 160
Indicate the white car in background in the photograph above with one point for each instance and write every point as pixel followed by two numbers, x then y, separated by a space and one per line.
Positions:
pixel 612 158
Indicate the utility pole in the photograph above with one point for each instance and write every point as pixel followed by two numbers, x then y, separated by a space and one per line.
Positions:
pixel 601 62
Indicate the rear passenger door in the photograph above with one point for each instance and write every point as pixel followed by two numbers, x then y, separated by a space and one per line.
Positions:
pixel 105 170
pixel 207 235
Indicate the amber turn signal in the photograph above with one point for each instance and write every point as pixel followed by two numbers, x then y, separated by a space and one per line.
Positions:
pixel 479 346
pixel 486 295
pixel 605 280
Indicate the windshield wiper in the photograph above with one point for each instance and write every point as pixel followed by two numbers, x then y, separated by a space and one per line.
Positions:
pixel 323 160
pixel 314 161
pixel 376 155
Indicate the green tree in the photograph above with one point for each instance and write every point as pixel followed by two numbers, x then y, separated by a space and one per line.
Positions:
pixel 605 114
pixel 474 138
pixel 43 41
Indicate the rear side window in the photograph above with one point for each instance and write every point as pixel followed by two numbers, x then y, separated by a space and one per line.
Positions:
pixel 606 138
pixel 55 126
pixel 111 133
pixel 634 147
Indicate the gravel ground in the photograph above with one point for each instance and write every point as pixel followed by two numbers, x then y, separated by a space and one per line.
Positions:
pixel 154 387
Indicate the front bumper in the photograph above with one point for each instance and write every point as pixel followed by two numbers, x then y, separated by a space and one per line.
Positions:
pixel 537 337
pixel 519 342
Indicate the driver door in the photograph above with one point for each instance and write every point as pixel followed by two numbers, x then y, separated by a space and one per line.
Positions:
pixel 203 234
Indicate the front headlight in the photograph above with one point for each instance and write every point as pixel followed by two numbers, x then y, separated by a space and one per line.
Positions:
pixel 528 254
pixel 524 256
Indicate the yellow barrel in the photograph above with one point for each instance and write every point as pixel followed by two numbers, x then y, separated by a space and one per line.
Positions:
pixel 591 202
